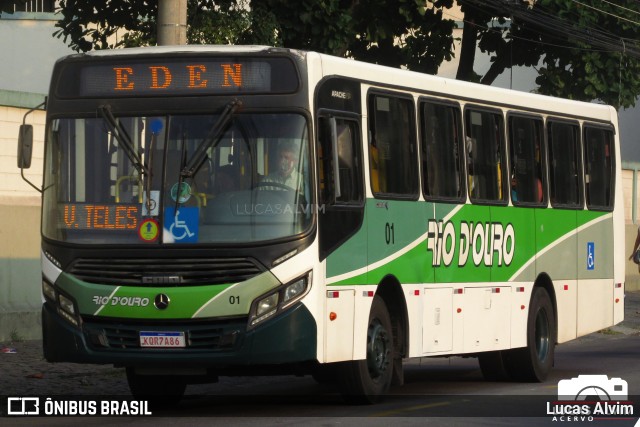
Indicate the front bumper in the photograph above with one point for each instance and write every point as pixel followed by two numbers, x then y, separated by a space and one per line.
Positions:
pixel 290 338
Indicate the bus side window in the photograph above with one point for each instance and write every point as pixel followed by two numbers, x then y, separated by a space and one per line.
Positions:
pixel 526 166
pixel 598 168
pixel 349 164
pixel 484 146
pixel 564 165
pixel 392 152
pixel 441 147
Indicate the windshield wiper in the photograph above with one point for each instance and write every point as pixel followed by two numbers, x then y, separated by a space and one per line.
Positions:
pixel 120 133
pixel 211 140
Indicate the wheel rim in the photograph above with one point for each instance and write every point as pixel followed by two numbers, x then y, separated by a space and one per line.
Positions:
pixel 378 350
pixel 542 335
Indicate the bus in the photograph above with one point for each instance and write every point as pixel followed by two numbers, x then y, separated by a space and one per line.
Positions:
pixel 246 210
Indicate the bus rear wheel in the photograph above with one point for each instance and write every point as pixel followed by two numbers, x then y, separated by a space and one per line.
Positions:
pixel 367 381
pixel 159 391
pixel 534 362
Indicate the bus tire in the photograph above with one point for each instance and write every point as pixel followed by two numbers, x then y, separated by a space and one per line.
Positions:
pixel 367 381
pixel 534 362
pixel 159 391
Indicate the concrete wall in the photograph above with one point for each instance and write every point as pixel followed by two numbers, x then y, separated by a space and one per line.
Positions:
pixel 20 277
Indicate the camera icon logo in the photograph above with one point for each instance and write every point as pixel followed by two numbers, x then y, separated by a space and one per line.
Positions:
pixel 593 388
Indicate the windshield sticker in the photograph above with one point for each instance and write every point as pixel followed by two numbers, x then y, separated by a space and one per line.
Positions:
pixel 181 226
pixel 150 208
pixel 149 230
pixel 185 192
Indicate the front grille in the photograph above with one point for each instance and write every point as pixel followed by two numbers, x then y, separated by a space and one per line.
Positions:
pixel 128 336
pixel 121 338
pixel 158 271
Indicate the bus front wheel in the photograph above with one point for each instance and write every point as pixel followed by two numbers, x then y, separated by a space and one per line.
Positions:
pixel 366 381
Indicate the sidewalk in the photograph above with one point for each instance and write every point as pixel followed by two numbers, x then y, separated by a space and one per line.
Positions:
pixel 26 373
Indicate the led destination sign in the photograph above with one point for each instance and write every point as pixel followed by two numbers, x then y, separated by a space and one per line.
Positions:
pixel 100 217
pixel 192 76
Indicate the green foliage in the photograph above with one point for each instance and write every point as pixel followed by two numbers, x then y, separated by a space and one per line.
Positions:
pixel 578 56
pixel 414 34
pixel 95 24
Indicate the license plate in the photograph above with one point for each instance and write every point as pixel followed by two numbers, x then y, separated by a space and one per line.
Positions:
pixel 162 339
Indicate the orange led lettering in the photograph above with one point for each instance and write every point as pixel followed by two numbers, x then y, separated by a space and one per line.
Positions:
pixel 122 78
pixel 235 74
pixel 89 210
pixel 195 76
pixel 132 213
pixel 70 216
pixel 107 224
pixel 121 222
pixel 98 216
pixel 154 77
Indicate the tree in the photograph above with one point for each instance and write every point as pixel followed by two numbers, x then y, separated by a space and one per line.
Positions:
pixel 586 52
pixel 96 24
pixel 397 33
pixel 576 47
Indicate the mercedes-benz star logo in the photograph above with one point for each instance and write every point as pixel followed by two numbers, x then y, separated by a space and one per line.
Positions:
pixel 161 301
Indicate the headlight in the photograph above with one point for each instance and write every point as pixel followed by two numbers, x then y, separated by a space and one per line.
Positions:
pixel 279 299
pixel 267 305
pixel 294 290
pixel 48 291
pixel 66 304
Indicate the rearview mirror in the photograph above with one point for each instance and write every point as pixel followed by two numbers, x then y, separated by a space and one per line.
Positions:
pixel 25 146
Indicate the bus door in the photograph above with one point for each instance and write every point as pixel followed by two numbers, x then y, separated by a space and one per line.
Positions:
pixel 343 239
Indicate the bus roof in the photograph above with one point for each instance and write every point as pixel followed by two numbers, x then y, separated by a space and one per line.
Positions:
pixel 459 90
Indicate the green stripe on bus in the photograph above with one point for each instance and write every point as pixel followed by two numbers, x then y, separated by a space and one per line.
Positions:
pixel 475 244
pixel 185 302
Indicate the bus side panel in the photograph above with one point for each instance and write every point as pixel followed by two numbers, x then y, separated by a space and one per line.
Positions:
pixel 437 321
pixel 619 251
pixel 522 219
pixel 339 336
pixel 595 271
pixel 556 248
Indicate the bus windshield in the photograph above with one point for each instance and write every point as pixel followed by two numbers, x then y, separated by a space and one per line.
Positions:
pixel 126 180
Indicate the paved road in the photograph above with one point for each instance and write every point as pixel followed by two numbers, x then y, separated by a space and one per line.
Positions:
pixel 26 373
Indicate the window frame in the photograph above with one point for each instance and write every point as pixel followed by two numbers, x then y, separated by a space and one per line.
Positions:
pixel 580 168
pixel 503 142
pixel 612 155
pixel 415 194
pixel 543 158
pixel 422 101
pixel 327 114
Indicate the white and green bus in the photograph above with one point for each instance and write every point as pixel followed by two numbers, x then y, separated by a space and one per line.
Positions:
pixel 212 211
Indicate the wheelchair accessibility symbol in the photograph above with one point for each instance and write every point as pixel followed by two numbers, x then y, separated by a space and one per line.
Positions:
pixel 591 256
pixel 181 227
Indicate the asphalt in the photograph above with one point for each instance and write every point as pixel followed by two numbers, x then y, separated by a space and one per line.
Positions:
pixel 25 372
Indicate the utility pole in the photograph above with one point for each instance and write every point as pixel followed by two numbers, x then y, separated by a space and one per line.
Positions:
pixel 172 22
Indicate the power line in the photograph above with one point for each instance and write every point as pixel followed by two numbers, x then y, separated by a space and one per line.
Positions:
pixel 621 7
pixel 549 24
pixel 605 12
